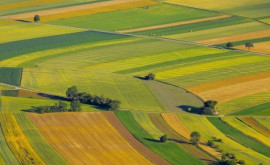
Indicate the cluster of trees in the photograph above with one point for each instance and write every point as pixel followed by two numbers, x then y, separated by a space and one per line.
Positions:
pixel 86 98
pixel 230 159
pixel 248 45
pixel 75 106
pixel 209 108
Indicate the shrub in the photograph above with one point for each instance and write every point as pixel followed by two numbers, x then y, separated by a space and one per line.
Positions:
pixel 163 138
pixel 36 18
pixel 211 143
pixel 150 76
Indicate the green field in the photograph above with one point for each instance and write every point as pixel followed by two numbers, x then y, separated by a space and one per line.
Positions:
pixel 11 76
pixel 240 137
pixel 169 151
pixel 38 142
pixel 132 18
pixel 260 110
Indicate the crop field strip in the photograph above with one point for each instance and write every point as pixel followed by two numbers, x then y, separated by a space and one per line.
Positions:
pixel 17 141
pixel 261 109
pixel 84 10
pixel 175 24
pixel 150 155
pixel 239 136
pixel 264 121
pixel 256 125
pixel 38 142
pixel 107 146
pixel 153 15
pixel 169 151
pixel 260 47
pixel 247 130
pixel 15 8
pixel 181 141
pixel 176 124
pixel 245 8
pixel 11 76
pixel 208 131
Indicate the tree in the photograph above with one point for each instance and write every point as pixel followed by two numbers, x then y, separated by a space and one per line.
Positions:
pixel 210 103
pixel 72 93
pixel 241 162
pixel 229 45
pixel 75 105
pixel 195 137
pixel 210 143
pixel 114 105
pixel 207 111
pixel 163 138
pixel 249 45
pixel 150 76
pixel 36 18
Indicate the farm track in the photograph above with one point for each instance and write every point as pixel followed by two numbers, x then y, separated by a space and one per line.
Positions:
pixel 153 157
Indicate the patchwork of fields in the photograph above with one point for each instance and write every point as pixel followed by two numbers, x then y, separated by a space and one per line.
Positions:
pixel 106 48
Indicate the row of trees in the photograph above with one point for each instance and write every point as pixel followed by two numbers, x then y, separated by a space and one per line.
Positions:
pixel 248 45
pixel 86 98
pixel 75 106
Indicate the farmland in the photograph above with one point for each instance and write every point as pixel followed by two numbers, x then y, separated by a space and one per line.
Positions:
pixel 158 66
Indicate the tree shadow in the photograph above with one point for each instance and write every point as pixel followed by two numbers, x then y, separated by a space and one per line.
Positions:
pixel 139 77
pixel 190 109
pixel 153 140
pixel 30 110
pixel 54 97
pixel 178 141
pixel 20 20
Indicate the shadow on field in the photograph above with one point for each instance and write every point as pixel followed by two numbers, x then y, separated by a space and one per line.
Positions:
pixel 139 77
pixel 54 97
pixel 152 140
pixel 177 141
pixel 20 20
pixel 190 109
pixel 30 110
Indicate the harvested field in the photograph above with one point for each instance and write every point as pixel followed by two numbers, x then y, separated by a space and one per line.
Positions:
pixel 175 24
pixel 80 10
pixel 181 141
pixel 17 141
pixel 260 47
pixel 150 155
pixel 256 125
pixel 228 82
pixel 86 137
pixel 237 37
pixel 225 94
pixel 175 123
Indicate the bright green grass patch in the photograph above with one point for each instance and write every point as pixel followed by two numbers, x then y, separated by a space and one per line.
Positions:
pixel 169 151
pixel 11 76
pixel 195 26
pixel 145 122
pixel 239 137
pixel 19 104
pixel 262 109
pixel 16 48
pixel 136 18
pixel 207 131
pixel 16 31
pixel 38 142
pixel 220 32
pixel 246 130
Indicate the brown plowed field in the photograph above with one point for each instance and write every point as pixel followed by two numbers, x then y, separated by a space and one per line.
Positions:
pixel 86 138
pixel 154 158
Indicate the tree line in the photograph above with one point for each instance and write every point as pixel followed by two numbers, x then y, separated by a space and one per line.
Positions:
pixel 86 98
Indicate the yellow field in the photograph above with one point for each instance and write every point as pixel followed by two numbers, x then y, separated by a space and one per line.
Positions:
pixel 26 4
pixel 22 31
pixel 238 37
pixel 182 71
pixel 178 126
pixel 261 47
pixel 245 129
pixel 86 9
pixel 83 138
pixel 256 125
pixel 17 141
pixel 176 24
pixel 228 82
pixel 228 93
